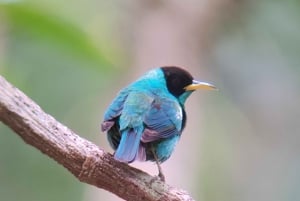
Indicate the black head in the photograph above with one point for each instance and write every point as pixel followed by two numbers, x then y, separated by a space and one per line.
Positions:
pixel 177 79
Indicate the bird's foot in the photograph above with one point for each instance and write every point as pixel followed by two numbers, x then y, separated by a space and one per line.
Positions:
pixel 157 178
pixel 161 176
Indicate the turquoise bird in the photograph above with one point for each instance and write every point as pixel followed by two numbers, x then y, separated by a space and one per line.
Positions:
pixel 145 121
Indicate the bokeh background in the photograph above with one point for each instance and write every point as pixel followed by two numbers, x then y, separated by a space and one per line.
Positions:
pixel 241 143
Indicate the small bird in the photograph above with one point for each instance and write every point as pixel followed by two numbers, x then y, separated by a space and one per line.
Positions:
pixel 145 121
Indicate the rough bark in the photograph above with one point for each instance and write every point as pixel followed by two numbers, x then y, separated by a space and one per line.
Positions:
pixel 85 160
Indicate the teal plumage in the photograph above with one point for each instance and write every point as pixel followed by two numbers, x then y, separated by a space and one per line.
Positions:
pixel 146 119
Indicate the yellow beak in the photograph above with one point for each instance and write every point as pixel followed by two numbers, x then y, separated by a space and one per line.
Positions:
pixel 200 85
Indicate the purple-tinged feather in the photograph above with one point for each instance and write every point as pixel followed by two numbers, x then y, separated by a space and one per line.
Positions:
pixel 106 125
pixel 149 135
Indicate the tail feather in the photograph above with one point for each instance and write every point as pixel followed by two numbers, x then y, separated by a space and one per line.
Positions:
pixel 129 145
pixel 141 154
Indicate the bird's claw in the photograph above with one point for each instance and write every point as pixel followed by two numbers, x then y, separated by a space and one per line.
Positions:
pixel 157 178
pixel 161 176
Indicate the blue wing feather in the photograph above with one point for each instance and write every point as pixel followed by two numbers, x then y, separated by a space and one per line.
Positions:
pixel 131 124
pixel 116 106
pixel 163 120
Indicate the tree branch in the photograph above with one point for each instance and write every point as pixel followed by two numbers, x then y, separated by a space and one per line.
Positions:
pixel 83 159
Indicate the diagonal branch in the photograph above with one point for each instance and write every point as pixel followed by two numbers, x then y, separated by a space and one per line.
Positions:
pixel 83 159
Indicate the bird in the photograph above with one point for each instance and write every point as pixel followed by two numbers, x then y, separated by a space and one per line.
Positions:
pixel 146 119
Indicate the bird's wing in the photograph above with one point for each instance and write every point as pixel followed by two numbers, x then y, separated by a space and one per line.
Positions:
pixel 131 122
pixel 116 106
pixel 163 120
pixel 114 110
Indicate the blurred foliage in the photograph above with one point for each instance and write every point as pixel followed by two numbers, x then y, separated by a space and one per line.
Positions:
pixel 56 64
pixel 249 154
pixel 30 22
